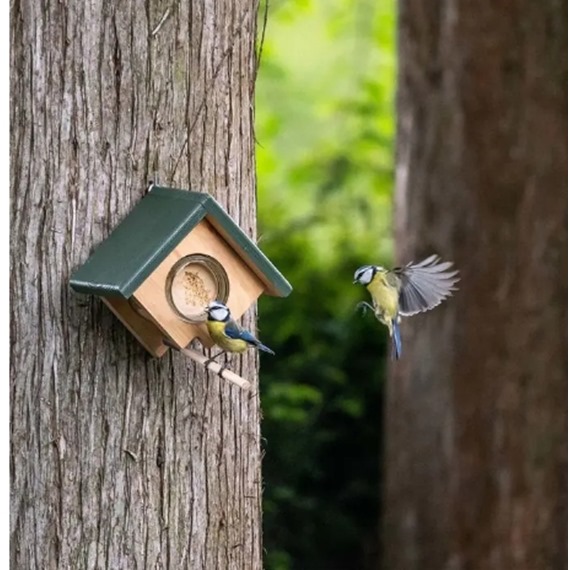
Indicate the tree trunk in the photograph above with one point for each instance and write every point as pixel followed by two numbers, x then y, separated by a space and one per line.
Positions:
pixel 476 410
pixel 118 460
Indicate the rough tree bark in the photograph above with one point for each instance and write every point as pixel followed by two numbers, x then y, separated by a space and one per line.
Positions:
pixel 476 410
pixel 118 460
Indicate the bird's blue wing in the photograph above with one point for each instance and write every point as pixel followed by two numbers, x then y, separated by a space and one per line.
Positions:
pixel 234 331
pixel 249 338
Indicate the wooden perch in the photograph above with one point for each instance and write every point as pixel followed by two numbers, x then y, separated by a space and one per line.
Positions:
pixel 213 366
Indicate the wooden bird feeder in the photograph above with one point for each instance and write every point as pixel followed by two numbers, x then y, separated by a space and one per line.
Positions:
pixel 175 252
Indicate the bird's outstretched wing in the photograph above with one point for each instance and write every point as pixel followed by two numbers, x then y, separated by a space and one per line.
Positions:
pixel 425 284
pixel 234 331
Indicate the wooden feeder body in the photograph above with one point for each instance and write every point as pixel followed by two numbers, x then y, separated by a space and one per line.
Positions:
pixel 192 257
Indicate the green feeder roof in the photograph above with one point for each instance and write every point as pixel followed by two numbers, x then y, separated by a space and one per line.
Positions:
pixel 151 231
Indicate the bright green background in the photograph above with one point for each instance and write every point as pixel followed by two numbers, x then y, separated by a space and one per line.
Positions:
pixel 324 127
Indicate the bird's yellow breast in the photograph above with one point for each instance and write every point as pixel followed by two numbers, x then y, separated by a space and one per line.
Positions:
pixel 384 295
pixel 216 330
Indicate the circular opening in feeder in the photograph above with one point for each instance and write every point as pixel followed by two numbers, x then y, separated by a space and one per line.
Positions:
pixel 192 283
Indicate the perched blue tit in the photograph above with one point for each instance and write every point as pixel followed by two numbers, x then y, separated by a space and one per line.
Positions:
pixel 226 333
pixel 406 291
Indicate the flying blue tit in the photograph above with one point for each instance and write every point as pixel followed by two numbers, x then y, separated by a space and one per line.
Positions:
pixel 226 333
pixel 405 291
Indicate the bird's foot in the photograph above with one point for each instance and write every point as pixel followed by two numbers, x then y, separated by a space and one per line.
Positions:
pixel 364 306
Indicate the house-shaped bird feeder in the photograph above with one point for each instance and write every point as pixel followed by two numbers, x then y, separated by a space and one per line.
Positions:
pixel 176 251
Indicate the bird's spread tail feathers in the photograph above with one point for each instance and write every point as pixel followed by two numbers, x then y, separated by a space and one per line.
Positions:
pixel 396 340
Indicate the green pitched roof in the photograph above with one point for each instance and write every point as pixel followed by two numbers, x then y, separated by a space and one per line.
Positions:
pixel 151 231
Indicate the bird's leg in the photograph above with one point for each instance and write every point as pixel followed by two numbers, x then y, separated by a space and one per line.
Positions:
pixel 212 358
pixel 364 306
pixel 378 313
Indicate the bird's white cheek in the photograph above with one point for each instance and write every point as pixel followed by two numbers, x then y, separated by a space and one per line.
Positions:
pixel 218 314
pixel 367 277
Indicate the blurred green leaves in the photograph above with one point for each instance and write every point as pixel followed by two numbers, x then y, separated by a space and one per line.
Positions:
pixel 324 126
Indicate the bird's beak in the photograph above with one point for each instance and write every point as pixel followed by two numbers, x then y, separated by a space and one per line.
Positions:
pixel 355 282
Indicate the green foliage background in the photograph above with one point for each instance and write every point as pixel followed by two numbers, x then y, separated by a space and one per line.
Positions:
pixel 324 127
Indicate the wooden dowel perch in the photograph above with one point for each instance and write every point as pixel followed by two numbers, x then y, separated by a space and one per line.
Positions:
pixel 214 367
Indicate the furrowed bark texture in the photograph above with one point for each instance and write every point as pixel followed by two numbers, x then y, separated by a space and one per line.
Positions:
pixel 118 460
pixel 476 451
